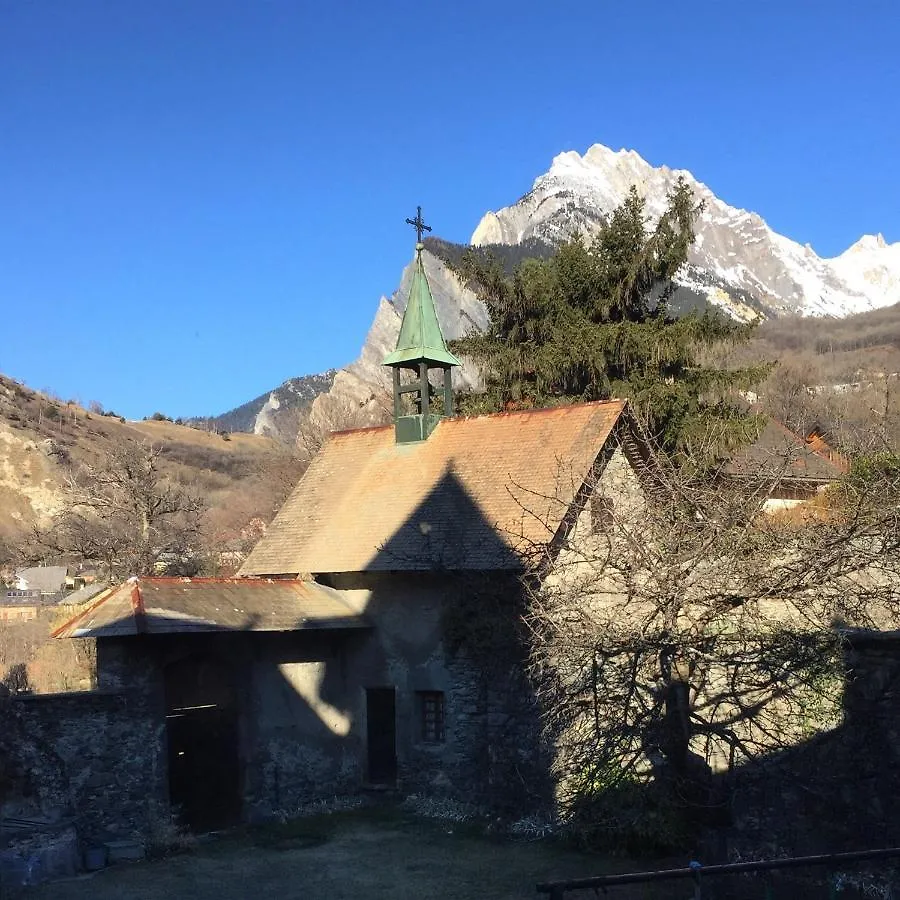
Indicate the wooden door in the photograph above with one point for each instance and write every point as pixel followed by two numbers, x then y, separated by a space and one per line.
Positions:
pixel 381 734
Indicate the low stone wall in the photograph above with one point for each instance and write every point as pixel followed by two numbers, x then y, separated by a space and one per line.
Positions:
pixel 95 758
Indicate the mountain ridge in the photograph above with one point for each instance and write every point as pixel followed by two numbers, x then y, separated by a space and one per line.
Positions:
pixel 739 264
pixel 735 247
pixel 273 414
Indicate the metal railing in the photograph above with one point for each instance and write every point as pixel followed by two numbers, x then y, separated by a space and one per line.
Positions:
pixel 698 873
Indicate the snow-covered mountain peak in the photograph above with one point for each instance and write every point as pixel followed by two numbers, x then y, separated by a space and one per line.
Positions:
pixel 872 266
pixel 598 156
pixel 736 254
pixel 867 243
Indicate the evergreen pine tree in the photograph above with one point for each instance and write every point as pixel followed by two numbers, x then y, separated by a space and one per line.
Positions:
pixel 593 322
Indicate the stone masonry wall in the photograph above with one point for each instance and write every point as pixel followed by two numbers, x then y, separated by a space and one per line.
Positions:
pixel 90 757
pixel 459 636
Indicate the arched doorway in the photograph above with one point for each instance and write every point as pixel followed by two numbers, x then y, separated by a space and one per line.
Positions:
pixel 202 734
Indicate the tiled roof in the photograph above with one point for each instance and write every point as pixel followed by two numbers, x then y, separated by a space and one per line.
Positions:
pixel 818 443
pixel 465 499
pixel 177 605
pixel 779 452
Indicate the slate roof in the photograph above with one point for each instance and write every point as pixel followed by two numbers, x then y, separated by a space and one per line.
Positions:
pixel 179 605
pixel 780 452
pixel 46 579
pixel 467 498
pixel 83 594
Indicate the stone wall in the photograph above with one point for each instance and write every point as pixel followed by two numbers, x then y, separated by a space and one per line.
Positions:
pixel 89 757
pixel 301 740
pixel 301 700
pixel 459 636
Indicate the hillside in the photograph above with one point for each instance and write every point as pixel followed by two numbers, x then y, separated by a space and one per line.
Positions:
pixel 43 439
pixel 842 375
pixel 276 413
pixel 863 346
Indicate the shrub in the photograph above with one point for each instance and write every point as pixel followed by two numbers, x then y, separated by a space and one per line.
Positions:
pixel 631 818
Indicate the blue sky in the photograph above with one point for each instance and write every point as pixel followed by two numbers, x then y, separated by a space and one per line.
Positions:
pixel 201 198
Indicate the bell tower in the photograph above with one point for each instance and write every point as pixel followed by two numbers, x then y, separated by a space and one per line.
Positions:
pixel 420 348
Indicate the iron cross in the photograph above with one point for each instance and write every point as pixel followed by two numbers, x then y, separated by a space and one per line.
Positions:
pixel 419 224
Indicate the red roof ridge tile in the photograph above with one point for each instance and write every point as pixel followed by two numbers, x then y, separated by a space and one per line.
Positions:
pixel 503 414
pixel 211 579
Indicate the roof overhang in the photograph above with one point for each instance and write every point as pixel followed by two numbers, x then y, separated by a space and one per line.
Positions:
pixel 155 606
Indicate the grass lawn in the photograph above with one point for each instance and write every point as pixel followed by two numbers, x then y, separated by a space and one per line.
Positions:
pixel 372 854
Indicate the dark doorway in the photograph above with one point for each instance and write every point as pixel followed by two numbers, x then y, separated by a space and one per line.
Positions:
pixel 202 732
pixel 381 734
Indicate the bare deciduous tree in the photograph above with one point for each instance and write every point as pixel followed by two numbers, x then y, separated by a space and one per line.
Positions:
pixel 126 516
pixel 337 412
pixel 690 626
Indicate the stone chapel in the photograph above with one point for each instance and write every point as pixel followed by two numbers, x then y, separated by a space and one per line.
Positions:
pixel 372 640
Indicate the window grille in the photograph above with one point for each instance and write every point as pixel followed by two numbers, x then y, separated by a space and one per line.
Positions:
pixel 431 715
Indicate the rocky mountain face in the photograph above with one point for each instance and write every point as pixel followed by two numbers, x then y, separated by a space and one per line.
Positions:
pixel 738 264
pixel 275 414
pixel 736 252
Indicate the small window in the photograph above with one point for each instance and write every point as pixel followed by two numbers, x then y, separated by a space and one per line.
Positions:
pixel 602 508
pixel 431 716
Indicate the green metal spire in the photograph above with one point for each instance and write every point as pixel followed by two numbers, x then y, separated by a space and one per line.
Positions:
pixel 420 348
pixel 421 338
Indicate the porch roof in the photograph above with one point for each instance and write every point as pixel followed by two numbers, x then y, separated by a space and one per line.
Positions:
pixel 184 605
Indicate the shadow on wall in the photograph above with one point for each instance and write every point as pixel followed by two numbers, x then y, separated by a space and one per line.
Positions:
pixel 242 725
pixel 837 791
pixel 834 792
pixel 446 602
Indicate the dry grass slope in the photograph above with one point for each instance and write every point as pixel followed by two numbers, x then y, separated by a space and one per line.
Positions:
pixel 42 438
